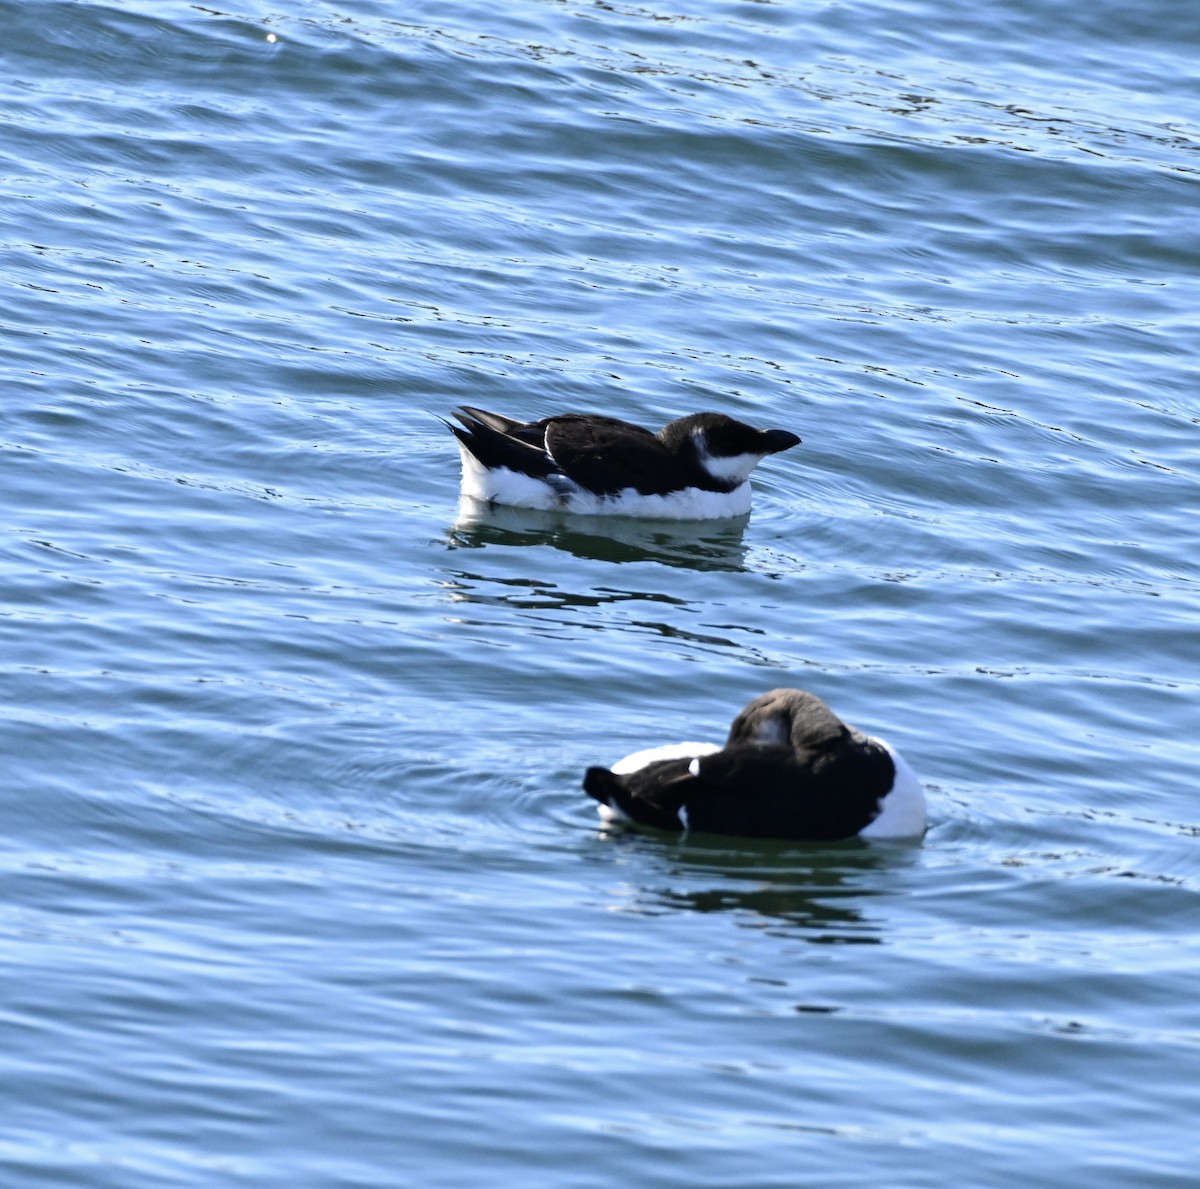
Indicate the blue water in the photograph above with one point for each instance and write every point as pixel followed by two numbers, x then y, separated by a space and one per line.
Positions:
pixel 299 885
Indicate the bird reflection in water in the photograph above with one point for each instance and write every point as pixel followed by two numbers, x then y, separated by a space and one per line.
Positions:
pixel 818 892
pixel 697 545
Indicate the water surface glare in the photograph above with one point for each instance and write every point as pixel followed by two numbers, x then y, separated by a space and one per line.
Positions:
pixel 301 887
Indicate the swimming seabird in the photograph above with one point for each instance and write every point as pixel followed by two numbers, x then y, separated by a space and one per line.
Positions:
pixel 790 769
pixel 695 468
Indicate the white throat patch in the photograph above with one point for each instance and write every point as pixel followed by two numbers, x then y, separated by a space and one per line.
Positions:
pixel 730 468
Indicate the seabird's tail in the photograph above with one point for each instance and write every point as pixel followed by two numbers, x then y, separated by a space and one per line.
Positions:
pixel 489 439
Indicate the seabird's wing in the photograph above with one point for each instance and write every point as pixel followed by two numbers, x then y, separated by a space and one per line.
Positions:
pixel 605 455
pixel 772 792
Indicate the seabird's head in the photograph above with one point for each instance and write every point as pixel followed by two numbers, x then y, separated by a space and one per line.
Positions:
pixel 724 449
pixel 802 721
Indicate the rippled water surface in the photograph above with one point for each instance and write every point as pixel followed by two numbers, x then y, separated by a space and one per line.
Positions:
pixel 300 887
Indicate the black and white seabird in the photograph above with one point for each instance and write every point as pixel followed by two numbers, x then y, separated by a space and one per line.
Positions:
pixel 695 468
pixel 790 769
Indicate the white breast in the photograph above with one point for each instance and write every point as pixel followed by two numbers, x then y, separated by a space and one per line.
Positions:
pixel 903 813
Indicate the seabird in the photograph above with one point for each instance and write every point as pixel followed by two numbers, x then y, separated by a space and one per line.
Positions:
pixel 696 468
pixel 790 769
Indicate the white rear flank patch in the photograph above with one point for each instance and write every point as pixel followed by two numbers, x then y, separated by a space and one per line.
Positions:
pixel 903 813
pixel 504 486
pixel 668 751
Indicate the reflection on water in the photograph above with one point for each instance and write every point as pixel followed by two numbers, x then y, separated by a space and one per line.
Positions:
pixel 817 892
pixel 559 613
pixel 581 600
pixel 697 545
pixel 466 586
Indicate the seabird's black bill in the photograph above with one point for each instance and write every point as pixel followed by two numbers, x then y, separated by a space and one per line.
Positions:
pixel 779 439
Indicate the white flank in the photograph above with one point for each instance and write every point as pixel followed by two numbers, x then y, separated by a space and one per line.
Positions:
pixel 503 486
pixel 689 504
pixel 668 751
pixel 903 813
